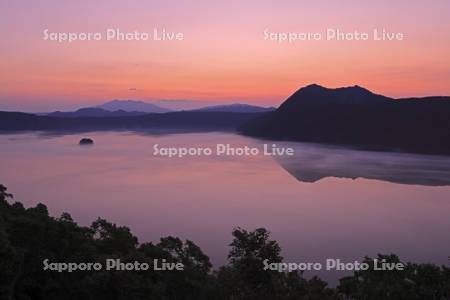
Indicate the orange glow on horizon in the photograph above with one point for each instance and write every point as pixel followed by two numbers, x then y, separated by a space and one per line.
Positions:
pixel 223 57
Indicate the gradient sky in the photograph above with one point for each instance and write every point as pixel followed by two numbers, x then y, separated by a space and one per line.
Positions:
pixel 223 57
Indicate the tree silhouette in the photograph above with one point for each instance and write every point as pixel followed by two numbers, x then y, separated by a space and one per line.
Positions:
pixel 3 194
pixel 28 236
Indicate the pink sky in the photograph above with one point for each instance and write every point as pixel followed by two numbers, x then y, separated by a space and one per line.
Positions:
pixel 223 56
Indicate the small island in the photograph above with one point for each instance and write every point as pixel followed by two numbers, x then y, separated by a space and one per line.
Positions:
pixel 86 141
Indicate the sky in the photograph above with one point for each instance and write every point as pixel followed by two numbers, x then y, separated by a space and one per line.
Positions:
pixel 223 56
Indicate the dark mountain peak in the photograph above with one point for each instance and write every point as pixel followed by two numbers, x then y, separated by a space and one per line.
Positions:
pixel 348 89
pixel 355 116
pixel 317 94
pixel 313 86
pixel 356 90
pixel 312 89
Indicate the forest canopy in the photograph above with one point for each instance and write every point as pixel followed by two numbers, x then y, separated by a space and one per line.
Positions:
pixel 29 236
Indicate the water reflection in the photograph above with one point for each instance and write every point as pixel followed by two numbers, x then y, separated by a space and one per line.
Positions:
pixel 312 163
pixel 204 198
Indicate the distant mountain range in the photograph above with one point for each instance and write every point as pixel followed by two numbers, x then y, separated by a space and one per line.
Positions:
pixel 350 116
pixel 95 112
pixel 357 117
pixel 132 106
pixel 124 108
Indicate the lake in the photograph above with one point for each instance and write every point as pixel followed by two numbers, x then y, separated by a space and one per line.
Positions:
pixel 323 202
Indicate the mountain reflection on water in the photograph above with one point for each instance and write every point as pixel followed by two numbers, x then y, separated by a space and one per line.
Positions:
pixel 314 162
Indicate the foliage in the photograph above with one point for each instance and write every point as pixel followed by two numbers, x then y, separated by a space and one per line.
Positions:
pixel 28 236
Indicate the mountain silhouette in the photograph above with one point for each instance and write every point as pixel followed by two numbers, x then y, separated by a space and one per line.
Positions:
pixel 133 106
pixel 313 94
pixel 356 117
pixel 95 112
pixel 237 107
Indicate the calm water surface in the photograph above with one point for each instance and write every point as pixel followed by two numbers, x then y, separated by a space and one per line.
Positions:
pixel 323 203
